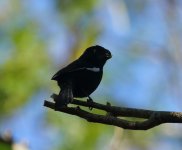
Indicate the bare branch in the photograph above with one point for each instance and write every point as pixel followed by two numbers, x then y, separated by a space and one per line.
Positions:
pixel 152 118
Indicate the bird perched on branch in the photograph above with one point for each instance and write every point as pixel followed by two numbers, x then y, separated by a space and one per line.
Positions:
pixel 82 76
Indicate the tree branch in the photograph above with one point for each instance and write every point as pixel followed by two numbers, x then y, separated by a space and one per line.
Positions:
pixel 151 118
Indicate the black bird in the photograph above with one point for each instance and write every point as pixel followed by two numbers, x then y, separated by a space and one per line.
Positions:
pixel 82 76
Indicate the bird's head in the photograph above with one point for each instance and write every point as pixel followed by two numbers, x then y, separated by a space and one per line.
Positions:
pixel 96 55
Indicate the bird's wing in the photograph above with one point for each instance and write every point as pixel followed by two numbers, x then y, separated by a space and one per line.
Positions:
pixel 73 67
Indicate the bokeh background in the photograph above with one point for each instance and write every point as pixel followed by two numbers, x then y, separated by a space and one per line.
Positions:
pixel 38 37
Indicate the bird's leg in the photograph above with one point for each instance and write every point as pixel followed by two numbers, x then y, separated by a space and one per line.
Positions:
pixel 90 101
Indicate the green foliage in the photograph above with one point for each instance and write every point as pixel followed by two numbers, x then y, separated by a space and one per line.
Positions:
pixel 75 9
pixel 5 146
pixel 23 72
pixel 78 133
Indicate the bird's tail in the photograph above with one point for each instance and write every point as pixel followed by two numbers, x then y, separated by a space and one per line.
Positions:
pixel 65 96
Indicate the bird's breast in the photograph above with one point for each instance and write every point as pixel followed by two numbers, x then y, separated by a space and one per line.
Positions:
pixel 86 82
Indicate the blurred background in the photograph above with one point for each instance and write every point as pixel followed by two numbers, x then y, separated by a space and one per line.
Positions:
pixel 38 37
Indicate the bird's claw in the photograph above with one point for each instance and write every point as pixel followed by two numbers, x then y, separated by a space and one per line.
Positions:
pixel 90 102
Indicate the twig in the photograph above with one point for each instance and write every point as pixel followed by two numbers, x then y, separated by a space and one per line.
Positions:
pixel 152 118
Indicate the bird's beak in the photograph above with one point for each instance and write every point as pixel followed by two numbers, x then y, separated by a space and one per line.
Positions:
pixel 108 55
